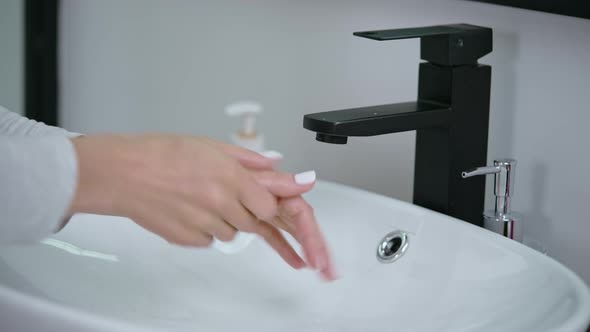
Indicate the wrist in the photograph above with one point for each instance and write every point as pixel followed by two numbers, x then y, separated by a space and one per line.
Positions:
pixel 101 172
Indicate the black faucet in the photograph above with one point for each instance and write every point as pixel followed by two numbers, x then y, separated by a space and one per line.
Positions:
pixel 451 117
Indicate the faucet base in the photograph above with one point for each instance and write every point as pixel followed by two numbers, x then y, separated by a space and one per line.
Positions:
pixel 443 153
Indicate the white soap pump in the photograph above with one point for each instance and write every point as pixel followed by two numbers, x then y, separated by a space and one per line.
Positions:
pixel 247 137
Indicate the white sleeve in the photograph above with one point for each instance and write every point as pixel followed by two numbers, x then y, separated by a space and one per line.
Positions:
pixel 38 178
pixel 12 124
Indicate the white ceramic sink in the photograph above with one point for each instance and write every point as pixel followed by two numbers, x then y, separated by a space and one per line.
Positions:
pixel 107 274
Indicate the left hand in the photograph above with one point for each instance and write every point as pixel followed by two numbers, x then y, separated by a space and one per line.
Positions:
pixel 295 215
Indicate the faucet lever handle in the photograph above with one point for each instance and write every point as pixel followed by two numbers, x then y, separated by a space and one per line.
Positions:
pixel 446 45
pixel 405 33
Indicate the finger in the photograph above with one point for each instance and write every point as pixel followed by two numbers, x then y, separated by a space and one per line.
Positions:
pixel 175 232
pixel 282 224
pixel 194 238
pixel 205 222
pixel 284 184
pixel 248 158
pixel 277 241
pixel 239 217
pixel 257 199
pixel 221 230
pixel 299 215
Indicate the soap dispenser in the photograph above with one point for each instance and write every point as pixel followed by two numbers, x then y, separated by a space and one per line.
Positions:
pixel 246 137
pixel 501 220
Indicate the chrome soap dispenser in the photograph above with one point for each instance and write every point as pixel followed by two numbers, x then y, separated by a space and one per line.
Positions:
pixel 501 220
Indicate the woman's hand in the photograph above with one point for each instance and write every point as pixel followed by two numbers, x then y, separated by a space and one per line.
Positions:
pixel 189 190
pixel 294 216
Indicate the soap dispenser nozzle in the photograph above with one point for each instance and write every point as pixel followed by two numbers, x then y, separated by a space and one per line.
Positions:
pixel 502 220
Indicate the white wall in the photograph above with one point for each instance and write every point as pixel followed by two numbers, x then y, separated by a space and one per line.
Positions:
pixel 172 66
pixel 11 54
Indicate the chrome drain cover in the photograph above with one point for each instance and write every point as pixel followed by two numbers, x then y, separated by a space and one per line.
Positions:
pixel 392 247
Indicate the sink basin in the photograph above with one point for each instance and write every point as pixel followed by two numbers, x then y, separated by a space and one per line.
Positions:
pixel 108 274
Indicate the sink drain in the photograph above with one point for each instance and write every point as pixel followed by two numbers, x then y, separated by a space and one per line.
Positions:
pixel 392 247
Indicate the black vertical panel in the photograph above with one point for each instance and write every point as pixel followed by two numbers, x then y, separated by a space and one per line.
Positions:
pixel 41 81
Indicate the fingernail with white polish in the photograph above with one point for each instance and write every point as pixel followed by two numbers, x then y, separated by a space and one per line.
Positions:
pixel 271 154
pixel 305 177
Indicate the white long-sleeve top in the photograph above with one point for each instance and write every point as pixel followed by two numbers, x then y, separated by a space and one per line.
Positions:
pixel 38 178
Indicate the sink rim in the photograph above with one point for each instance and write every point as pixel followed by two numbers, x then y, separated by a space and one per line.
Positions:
pixel 33 305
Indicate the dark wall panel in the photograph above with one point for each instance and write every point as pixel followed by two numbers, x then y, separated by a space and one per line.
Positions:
pixel 41 72
pixel 577 8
